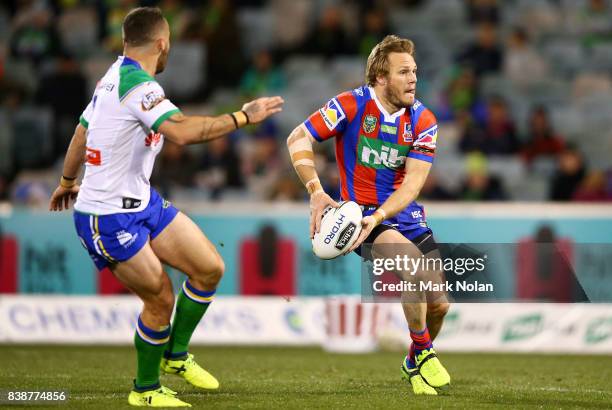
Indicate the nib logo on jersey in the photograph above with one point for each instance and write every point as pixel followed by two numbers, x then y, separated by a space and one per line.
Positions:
pixel 379 154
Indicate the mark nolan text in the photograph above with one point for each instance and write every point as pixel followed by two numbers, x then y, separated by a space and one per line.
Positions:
pixel 431 286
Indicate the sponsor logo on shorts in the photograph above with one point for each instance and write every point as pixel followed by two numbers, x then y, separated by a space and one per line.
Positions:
pixel 332 114
pixel 151 99
pixel 369 123
pixel 345 236
pixel 126 239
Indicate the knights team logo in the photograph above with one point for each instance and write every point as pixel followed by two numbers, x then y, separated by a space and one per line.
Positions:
pixel 369 124
pixel 407 135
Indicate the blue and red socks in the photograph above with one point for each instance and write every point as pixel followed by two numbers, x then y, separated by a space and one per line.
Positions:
pixel 420 341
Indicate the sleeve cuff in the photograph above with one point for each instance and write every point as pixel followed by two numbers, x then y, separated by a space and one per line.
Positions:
pixel 312 131
pixel 423 157
pixel 84 122
pixel 163 118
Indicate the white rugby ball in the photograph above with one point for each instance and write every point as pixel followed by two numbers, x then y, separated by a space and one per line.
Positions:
pixel 340 228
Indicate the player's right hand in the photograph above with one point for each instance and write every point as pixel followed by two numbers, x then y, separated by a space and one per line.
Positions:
pixel 61 197
pixel 261 108
pixel 319 201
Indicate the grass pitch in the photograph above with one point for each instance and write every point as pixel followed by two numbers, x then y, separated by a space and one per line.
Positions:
pixel 305 378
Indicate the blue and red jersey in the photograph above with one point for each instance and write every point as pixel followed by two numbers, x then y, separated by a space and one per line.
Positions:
pixel 372 145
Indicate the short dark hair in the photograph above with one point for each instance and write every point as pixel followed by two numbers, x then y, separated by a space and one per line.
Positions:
pixel 141 24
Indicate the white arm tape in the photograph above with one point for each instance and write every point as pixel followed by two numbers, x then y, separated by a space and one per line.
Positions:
pixel 305 161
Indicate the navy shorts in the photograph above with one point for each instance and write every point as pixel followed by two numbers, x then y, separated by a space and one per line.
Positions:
pixel 117 237
pixel 410 223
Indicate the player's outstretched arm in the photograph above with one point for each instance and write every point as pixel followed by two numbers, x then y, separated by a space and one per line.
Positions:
pixel 299 144
pixel 414 179
pixel 193 129
pixel 75 157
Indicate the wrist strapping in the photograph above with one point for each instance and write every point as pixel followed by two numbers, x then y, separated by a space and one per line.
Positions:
pixel 67 182
pixel 314 186
pixel 379 215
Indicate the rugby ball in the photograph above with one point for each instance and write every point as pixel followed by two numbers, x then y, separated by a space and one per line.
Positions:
pixel 340 228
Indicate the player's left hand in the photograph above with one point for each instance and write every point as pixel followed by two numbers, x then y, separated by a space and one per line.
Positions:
pixel 60 199
pixel 261 108
pixel 368 223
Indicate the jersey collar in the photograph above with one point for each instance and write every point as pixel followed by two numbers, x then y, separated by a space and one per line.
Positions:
pixel 125 60
pixel 386 116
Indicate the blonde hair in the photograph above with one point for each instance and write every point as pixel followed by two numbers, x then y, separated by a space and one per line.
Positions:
pixel 378 61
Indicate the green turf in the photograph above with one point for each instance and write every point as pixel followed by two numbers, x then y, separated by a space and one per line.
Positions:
pixel 306 378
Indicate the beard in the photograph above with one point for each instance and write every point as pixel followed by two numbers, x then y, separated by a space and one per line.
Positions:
pixel 162 61
pixel 394 96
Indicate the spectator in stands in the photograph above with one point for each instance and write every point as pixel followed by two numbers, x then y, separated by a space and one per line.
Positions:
pixel 179 168
pixel 375 27
pixel 471 135
pixel 64 91
pixel 114 21
pixel 596 186
pixel 462 92
pixel 262 77
pixel 484 55
pixel 433 190
pixel 523 65
pixel 34 35
pixel 479 185
pixel 4 187
pixel 262 165
pixel 224 53
pixel 286 188
pixel 541 139
pixel 220 167
pixel 594 23
pixel 329 37
pixel 482 11
pixel 496 136
pixel 571 170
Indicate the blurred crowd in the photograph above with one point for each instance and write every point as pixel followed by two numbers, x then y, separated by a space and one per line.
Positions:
pixel 522 90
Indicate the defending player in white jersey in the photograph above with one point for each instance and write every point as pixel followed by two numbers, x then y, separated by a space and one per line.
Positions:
pixel 125 225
